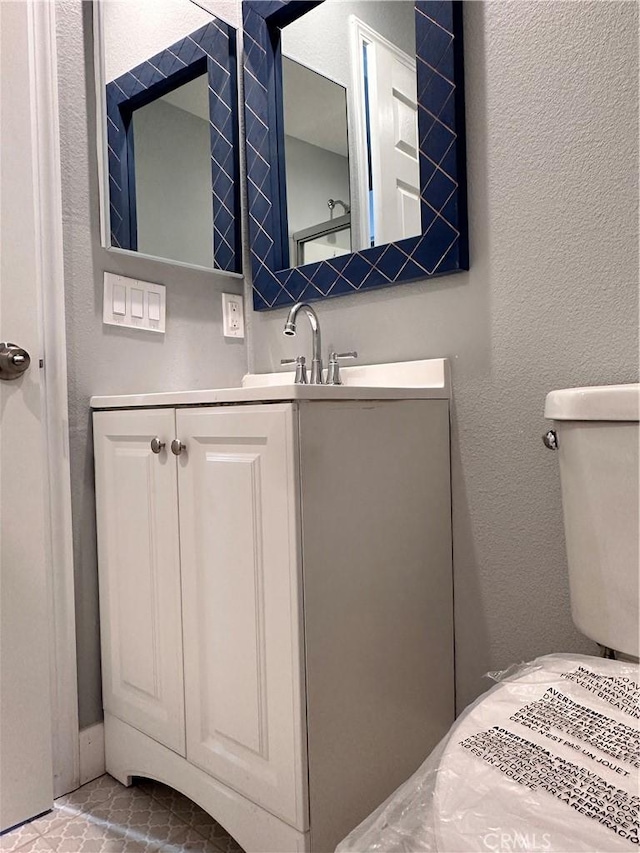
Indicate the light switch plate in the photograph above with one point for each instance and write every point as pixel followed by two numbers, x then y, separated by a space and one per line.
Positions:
pixel 134 304
pixel 232 315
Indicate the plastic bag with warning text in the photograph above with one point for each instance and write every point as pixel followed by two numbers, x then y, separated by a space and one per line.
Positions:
pixel 546 760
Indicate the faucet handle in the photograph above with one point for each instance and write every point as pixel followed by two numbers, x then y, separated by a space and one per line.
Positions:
pixel 301 368
pixel 334 355
pixel 333 373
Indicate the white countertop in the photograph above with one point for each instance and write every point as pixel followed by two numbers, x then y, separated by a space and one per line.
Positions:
pixel 408 380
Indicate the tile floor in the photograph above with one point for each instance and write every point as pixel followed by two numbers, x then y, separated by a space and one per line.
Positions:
pixel 105 817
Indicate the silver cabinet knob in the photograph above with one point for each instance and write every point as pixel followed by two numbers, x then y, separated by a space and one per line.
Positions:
pixel 13 361
pixel 177 447
pixel 157 445
pixel 550 439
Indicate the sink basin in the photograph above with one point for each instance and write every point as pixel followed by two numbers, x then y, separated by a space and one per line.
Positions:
pixel 402 380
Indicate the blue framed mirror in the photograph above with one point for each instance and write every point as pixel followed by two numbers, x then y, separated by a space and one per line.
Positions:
pixel 172 140
pixel 355 147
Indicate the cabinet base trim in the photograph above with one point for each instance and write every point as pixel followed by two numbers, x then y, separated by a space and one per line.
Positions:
pixel 131 753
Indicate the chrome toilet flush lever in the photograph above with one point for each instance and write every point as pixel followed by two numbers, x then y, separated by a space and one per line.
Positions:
pixel 333 373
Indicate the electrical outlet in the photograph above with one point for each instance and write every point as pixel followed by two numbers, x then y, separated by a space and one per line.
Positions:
pixel 232 315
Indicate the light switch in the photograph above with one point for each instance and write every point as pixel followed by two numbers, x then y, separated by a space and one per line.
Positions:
pixel 119 297
pixel 154 306
pixel 137 303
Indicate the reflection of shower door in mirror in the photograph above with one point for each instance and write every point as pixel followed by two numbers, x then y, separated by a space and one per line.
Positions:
pixel 316 163
pixel 387 113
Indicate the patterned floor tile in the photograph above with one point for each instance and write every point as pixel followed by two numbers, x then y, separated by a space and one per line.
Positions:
pixel 169 798
pixel 82 835
pixel 127 807
pixel 224 842
pixel 98 791
pixel 17 838
pixel 38 845
pixel 192 814
pixel 106 817
pixel 214 832
pixel 199 846
pixel 55 818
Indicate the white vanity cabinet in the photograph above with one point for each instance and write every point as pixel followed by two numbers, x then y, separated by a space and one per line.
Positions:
pixel 140 596
pixel 276 606
pixel 241 602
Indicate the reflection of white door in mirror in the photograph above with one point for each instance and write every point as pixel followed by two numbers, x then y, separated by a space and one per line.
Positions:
pixel 351 125
pixel 386 127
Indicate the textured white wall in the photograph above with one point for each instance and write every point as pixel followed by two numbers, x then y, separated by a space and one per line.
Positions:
pixel 320 39
pixel 107 359
pixel 135 30
pixel 551 301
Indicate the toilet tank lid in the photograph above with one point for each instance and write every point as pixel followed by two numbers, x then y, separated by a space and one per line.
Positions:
pixel 594 403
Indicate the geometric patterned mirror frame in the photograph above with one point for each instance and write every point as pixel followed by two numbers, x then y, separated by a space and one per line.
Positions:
pixel 210 50
pixel 442 248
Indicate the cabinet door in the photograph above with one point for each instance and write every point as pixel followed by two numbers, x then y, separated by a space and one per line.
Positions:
pixel 139 568
pixel 239 546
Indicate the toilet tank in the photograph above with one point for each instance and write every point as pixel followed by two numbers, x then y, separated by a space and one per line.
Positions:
pixel 597 441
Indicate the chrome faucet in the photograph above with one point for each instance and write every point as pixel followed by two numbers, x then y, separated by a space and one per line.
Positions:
pixel 290 330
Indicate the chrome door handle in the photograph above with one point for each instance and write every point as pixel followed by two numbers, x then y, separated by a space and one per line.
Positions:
pixel 177 447
pixel 157 445
pixel 13 361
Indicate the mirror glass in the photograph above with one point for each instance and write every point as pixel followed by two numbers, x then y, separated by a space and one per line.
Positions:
pixel 316 164
pixel 164 202
pixel 174 210
pixel 351 128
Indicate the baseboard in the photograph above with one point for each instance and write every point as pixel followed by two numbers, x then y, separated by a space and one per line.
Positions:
pixel 92 762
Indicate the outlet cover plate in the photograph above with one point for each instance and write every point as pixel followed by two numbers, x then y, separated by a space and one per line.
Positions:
pixel 232 315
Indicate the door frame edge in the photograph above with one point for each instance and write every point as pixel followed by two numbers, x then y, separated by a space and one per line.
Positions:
pixel 55 421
